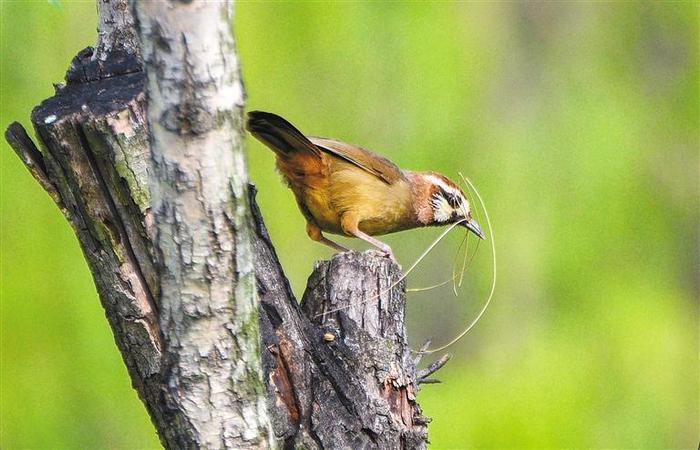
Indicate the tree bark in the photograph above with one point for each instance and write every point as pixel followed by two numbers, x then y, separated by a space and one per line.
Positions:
pixel 158 197
pixel 116 30
pixel 208 304
pixel 94 162
pixel 351 297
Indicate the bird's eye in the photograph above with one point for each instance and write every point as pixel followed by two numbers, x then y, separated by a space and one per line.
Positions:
pixel 454 200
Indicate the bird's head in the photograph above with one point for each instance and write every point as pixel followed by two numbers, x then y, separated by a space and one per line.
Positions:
pixel 444 202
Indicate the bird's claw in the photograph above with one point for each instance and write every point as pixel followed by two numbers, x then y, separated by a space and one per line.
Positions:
pixel 385 252
pixel 389 254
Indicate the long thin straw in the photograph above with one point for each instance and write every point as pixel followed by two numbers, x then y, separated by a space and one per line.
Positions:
pixel 454 274
pixel 493 284
pixel 466 264
pixel 456 261
pixel 467 261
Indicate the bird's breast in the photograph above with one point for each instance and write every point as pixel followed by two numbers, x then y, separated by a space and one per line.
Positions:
pixel 344 189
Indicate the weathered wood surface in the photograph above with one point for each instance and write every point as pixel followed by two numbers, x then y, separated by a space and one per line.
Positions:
pixel 193 354
pixel 371 375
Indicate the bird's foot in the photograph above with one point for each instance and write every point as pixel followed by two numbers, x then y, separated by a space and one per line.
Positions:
pixel 387 252
pixel 384 254
pixel 385 249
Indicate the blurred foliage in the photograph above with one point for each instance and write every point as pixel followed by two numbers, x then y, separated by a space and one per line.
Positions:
pixel 577 121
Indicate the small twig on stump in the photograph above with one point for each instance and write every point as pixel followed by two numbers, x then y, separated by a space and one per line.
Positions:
pixel 423 374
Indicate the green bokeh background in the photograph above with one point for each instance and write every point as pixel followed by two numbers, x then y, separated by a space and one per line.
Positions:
pixel 578 122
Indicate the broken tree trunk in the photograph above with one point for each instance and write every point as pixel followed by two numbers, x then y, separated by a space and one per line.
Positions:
pixel 170 231
pixel 163 221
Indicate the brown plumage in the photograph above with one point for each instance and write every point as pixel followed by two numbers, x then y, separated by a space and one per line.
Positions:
pixel 344 189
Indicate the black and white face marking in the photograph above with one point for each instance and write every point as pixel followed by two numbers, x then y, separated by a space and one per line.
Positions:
pixel 448 203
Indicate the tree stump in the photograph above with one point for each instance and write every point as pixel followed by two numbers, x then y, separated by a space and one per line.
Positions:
pixel 359 303
pixel 340 378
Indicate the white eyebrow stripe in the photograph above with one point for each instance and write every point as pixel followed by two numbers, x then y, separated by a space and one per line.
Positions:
pixel 437 181
pixel 444 207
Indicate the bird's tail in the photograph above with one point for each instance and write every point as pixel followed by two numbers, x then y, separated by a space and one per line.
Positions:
pixel 278 134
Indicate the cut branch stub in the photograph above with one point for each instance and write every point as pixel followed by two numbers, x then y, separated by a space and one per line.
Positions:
pixel 93 162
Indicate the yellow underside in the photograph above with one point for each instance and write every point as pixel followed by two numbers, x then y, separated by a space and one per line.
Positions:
pixel 350 192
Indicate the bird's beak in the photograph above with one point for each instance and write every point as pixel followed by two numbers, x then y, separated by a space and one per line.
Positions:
pixel 474 227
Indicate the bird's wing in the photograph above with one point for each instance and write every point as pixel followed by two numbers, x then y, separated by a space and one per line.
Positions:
pixel 377 165
pixel 306 154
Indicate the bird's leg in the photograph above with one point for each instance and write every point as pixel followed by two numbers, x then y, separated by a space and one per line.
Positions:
pixel 315 234
pixel 350 226
pixel 377 243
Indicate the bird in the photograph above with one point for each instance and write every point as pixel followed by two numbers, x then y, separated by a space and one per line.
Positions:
pixel 346 190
